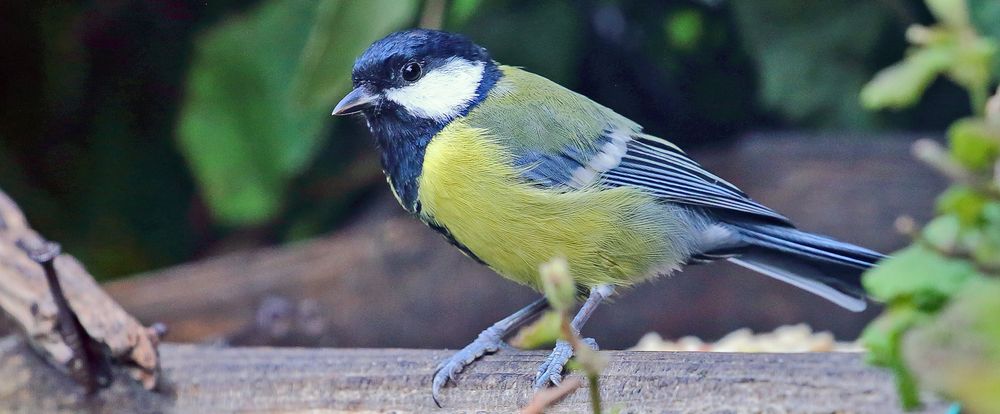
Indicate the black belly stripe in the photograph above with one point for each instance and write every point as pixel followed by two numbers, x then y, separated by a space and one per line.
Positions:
pixel 451 239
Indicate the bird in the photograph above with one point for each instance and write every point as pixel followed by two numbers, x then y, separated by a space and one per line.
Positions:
pixel 514 170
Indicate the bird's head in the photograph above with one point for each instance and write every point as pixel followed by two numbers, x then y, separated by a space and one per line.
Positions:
pixel 419 76
pixel 409 86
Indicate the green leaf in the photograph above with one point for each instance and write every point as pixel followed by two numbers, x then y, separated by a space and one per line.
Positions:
pixel 684 29
pixel 245 130
pixel 986 250
pixel 559 288
pixel 342 31
pixel 986 19
pixel 236 131
pixel 962 204
pixel 883 339
pixel 543 36
pixel 991 214
pixel 974 143
pixel 958 352
pixel 543 332
pixel 461 11
pixel 944 231
pixel 972 64
pixel 807 55
pixel 919 276
pixel 950 12
pixel 902 84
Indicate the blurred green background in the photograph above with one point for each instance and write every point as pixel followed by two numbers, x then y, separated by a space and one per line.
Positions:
pixel 142 134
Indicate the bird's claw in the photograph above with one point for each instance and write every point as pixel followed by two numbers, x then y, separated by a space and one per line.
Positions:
pixel 488 342
pixel 550 372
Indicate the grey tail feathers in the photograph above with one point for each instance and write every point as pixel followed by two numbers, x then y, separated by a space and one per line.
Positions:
pixel 815 263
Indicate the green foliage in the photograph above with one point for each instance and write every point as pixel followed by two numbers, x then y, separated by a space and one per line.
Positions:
pixel 543 332
pixel 974 144
pixel 808 56
pixel 544 37
pixel 684 29
pixel 259 93
pixel 951 47
pixel 461 11
pixel 922 282
pixel 558 285
pixel 883 338
pixel 560 291
pixel 941 327
pixel 986 18
pixel 902 84
pixel 964 207
pixel 958 352
pixel 343 29
pixel 917 277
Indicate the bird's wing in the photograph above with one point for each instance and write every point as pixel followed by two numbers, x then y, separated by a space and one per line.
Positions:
pixel 564 140
pixel 646 162
pixel 661 168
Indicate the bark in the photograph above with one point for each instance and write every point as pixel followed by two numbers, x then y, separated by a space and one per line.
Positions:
pixel 94 321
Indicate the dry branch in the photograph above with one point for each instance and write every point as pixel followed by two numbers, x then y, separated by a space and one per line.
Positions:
pixel 212 379
pixel 26 297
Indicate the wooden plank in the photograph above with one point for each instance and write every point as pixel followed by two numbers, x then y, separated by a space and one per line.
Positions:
pixel 215 379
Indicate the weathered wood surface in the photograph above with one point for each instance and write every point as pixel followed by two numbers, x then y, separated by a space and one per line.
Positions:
pixel 386 280
pixel 27 300
pixel 213 379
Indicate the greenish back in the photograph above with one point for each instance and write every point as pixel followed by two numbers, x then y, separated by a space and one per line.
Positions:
pixel 527 112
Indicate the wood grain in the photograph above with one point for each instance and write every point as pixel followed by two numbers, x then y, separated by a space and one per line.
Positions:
pixel 213 379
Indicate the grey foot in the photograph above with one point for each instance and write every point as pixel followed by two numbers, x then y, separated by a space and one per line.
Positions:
pixel 550 372
pixel 488 342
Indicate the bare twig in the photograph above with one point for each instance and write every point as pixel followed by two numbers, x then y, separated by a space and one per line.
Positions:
pixel 934 155
pixel 962 254
pixel 547 397
pixel 432 17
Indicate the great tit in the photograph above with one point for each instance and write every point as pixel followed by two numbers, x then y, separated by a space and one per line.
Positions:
pixel 515 170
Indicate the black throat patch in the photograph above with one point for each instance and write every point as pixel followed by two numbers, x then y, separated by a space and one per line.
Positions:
pixel 402 139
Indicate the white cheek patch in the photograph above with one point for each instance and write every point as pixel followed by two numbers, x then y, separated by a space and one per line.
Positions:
pixel 443 92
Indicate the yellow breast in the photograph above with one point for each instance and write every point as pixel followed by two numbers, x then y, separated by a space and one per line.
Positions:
pixel 470 186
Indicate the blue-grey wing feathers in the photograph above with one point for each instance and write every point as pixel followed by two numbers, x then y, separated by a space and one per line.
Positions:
pixel 818 264
pixel 745 232
pixel 665 171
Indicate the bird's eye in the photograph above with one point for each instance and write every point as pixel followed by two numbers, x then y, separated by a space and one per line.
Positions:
pixel 412 71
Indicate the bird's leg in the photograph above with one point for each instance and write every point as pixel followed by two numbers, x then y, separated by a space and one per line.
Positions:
pixel 551 370
pixel 489 341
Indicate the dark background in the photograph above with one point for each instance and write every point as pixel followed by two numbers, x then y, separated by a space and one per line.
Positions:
pixel 145 134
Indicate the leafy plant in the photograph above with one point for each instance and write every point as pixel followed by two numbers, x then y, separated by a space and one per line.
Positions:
pixel 561 292
pixel 941 326
pixel 809 55
pixel 259 93
pixel 952 48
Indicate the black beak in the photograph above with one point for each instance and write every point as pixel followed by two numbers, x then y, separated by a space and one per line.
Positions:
pixel 360 98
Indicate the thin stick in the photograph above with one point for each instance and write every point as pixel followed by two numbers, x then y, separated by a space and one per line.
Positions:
pixel 432 16
pixel 546 397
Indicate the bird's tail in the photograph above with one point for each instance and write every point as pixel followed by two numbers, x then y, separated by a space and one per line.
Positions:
pixel 815 263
